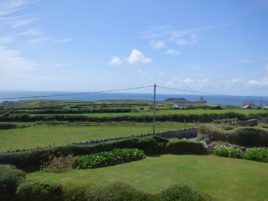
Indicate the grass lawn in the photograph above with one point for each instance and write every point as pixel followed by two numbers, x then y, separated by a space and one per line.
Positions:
pixel 45 135
pixel 224 178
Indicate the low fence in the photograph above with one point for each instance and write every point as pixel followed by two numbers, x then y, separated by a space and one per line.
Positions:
pixel 184 133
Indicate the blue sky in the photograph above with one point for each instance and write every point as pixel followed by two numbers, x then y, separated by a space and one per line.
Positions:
pixel 208 46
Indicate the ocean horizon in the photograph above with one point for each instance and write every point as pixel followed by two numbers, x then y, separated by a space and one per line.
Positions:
pixel 211 99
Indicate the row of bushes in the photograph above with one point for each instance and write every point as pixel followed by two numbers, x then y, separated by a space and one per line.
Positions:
pixel 256 153
pixel 14 188
pixel 4 126
pixel 108 158
pixel 39 191
pixel 144 118
pixel 247 136
pixel 67 111
pixel 151 145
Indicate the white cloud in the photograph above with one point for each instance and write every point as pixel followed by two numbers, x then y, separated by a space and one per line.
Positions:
pixel 159 44
pixel 64 40
pixel 115 61
pixel 188 81
pixel 137 56
pixel 172 52
pixel 184 37
pixel 187 40
pixel 12 61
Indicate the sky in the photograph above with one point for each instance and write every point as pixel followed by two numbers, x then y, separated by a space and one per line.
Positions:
pixel 208 46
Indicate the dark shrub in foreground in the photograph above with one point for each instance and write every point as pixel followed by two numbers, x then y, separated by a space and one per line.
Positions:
pixel 40 191
pixel 176 146
pixel 102 159
pixel 10 178
pixel 257 154
pixel 76 192
pixel 116 192
pixel 183 193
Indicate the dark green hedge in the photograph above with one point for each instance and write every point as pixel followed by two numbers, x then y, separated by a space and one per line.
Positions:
pixel 40 191
pixel 185 147
pixel 245 136
pixel 49 191
pixel 10 178
pixel 151 145
pixel 146 118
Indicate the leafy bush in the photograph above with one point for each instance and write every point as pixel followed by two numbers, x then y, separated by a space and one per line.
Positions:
pixel 103 159
pixel 246 136
pixel 10 178
pixel 176 146
pixel 40 191
pixel 59 164
pixel 116 192
pixel 236 153
pixel 257 154
pixel 76 192
pixel 221 151
pixel 4 126
pixel 183 193
pixel 228 152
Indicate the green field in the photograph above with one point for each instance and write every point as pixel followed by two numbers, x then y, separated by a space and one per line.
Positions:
pixel 45 135
pixel 170 112
pixel 224 178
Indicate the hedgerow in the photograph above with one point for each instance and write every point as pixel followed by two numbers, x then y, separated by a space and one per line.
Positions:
pixel 116 191
pixel 246 136
pixel 151 145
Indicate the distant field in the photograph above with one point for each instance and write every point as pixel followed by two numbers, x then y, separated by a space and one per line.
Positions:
pixel 224 178
pixel 45 135
pixel 171 111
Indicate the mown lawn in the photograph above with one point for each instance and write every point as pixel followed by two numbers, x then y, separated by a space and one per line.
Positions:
pixel 224 178
pixel 45 135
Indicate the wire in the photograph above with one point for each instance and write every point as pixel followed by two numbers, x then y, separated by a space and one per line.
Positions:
pixel 192 91
pixel 77 93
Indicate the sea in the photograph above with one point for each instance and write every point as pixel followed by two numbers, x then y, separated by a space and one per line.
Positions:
pixel 211 99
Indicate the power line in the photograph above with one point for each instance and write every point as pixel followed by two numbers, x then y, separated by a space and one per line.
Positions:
pixel 192 91
pixel 77 93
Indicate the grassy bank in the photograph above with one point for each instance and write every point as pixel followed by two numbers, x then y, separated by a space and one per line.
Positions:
pixel 45 135
pixel 224 178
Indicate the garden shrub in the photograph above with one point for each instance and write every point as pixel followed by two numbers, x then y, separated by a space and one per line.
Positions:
pixel 117 192
pixel 10 178
pixel 176 146
pixel 228 152
pixel 102 159
pixel 250 137
pixel 221 151
pixel 76 192
pixel 236 153
pixel 59 164
pixel 183 193
pixel 257 154
pixel 246 136
pixel 40 191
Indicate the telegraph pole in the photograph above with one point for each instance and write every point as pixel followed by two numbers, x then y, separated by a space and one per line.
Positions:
pixel 154 109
